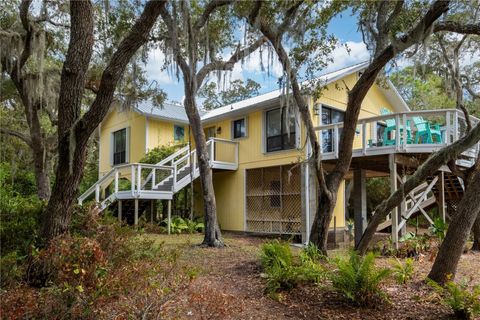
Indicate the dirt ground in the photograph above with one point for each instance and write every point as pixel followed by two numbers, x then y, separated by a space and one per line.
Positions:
pixel 229 286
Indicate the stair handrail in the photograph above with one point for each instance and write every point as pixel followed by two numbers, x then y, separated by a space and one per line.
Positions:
pixel 93 188
pixel 174 155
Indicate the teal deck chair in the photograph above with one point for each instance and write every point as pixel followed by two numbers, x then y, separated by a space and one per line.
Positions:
pixel 392 126
pixel 427 132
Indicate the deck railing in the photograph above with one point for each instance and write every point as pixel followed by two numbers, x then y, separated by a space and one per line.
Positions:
pixel 412 131
pixel 168 176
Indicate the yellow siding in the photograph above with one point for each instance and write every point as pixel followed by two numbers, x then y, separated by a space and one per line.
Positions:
pixel 161 133
pixel 116 121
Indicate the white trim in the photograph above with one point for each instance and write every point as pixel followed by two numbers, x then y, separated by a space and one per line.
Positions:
pixel 147 128
pixel 177 124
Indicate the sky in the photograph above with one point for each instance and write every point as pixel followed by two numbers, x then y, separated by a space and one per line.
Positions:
pixel 343 26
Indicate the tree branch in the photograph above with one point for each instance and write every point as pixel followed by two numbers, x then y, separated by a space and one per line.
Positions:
pixel 16 134
pixel 230 63
pixel 209 9
pixel 113 72
pixel 452 26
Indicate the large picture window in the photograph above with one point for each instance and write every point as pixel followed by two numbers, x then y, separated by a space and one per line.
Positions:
pixel 120 146
pixel 329 116
pixel 278 137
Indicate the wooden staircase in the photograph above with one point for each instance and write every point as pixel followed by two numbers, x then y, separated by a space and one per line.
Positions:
pixel 142 182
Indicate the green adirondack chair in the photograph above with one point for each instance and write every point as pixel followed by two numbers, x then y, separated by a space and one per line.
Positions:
pixel 426 132
pixel 392 126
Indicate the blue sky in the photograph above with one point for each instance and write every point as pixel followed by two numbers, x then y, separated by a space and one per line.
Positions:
pixel 343 26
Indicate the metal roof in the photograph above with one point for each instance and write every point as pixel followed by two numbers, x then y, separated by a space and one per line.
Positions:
pixel 169 111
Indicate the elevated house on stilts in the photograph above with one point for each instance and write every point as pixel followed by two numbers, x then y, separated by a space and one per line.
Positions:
pixel 257 151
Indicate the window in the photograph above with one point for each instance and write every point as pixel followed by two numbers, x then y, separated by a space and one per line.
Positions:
pixel 330 116
pixel 277 135
pixel 178 133
pixel 120 146
pixel 239 128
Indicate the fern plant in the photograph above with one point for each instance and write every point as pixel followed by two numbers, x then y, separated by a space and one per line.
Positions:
pixel 439 228
pixel 464 303
pixel 358 279
pixel 403 272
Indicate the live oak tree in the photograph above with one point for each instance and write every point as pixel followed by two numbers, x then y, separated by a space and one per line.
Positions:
pixel 198 32
pixel 75 129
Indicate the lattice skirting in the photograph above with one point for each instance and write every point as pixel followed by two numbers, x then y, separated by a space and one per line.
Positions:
pixel 273 200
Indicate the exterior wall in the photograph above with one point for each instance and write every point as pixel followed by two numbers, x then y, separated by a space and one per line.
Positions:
pixel 230 185
pixel 161 133
pixel 136 144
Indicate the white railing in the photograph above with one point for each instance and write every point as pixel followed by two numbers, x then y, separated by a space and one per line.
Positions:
pixel 141 179
pixel 414 131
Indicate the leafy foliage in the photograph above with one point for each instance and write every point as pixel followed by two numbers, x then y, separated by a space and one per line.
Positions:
pixel 283 272
pixel 403 272
pixel 358 279
pixel 180 225
pixel 237 91
pixel 464 302
pixel 439 228
pixel 157 154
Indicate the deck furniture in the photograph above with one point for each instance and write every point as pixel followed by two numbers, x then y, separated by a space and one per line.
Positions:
pixel 427 132
pixel 392 127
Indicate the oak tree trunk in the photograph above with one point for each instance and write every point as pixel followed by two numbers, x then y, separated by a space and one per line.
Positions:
pixel 321 224
pixel 213 236
pixel 476 234
pixel 451 249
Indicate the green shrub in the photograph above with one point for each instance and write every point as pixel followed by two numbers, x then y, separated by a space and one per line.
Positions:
pixel 10 269
pixel 358 279
pixel 403 272
pixel 20 222
pixel 284 272
pixel 180 225
pixel 465 303
pixel 439 228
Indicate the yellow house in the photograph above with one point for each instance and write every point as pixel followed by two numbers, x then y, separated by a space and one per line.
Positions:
pixel 257 151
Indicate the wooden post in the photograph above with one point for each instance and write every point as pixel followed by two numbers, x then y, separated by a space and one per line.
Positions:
pixel 403 211
pixel 441 200
pixel 359 203
pixel 169 215
pixel 136 212
pixel 120 210
pixel 393 188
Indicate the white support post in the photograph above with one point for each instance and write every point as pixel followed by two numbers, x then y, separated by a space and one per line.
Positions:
pixel 153 178
pixel 133 179
pixel 169 221
pixel 360 203
pixel 456 132
pixel 136 212
pixel 393 188
pixel 97 193
pixel 448 131
pixel 120 210
pixel 139 178
pixel 397 131
pixel 405 131
pixel 441 201
pixel 236 153
pixel 212 151
pixel 403 210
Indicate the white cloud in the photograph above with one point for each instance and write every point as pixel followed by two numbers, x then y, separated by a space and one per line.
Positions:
pixel 356 53
pixel 156 60
pixel 253 63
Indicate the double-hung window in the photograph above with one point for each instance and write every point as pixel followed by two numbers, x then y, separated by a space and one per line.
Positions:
pixel 239 128
pixel 120 146
pixel 280 130
pixel 329 116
